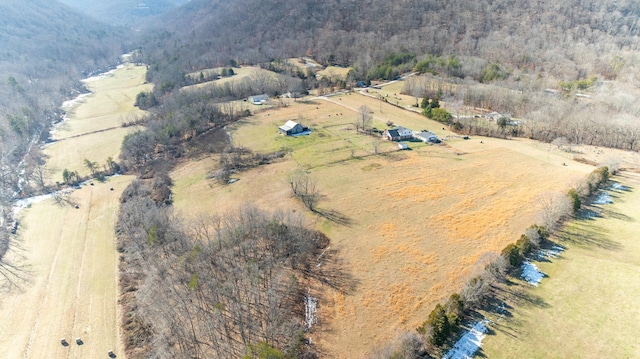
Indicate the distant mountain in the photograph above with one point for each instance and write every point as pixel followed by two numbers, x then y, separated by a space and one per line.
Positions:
pixel 123 12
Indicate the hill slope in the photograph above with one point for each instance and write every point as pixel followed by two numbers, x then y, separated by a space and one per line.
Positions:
pixel 569 39
pixel 45 49
pixel 123 12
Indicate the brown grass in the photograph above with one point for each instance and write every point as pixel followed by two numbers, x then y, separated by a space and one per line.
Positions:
pixel 418 220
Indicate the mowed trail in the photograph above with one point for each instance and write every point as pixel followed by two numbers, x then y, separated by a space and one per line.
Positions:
pixel 70 253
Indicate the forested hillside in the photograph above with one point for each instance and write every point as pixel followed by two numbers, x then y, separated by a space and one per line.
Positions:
pixel 567 39
pixel 123 12
pixel 45 49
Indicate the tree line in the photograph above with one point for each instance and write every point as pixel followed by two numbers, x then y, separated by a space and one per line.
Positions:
pixel 442 327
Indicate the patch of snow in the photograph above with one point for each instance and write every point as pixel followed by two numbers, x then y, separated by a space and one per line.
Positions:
pixel 603 198
pixel 310 310
pixel 552 252
pixel 70 103
pixel 471 341
pixel 531 273
pixel 588 214
pixel 619 186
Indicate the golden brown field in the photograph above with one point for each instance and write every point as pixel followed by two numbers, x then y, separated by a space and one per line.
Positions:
pixel 414 223
pixel 70 253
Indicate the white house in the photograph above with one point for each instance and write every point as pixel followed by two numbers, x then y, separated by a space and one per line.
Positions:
pixel 258 99
pixel 398 134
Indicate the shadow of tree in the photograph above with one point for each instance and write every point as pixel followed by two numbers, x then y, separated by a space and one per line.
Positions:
pixel 586 234
pixel 332 272
pixel 334 216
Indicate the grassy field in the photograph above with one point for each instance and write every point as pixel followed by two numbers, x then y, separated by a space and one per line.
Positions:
pixel 71 258
pixel 409 226
pixel 70 253
pixel 240 74
pixel 93 129
pixel 587 307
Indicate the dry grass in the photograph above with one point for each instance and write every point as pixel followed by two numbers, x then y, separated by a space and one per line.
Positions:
pixel 72 290
pixel 93 129
pixel 418 220
pixel 240 74
pixel 587 308
pixel 70 153
pixel 109 105
pixel 70 252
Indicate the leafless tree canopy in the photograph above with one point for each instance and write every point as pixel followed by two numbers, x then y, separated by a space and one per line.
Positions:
pixel 211 288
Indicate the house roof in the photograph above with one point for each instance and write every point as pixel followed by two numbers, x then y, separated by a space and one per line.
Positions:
pixel 425 134
pixel 289 125
pixel 393 133
pixel 403 131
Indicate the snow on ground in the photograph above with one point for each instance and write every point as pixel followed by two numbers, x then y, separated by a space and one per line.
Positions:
pixel 552 252
pixel 603 198
pixel 70 103
pixel 471 341
pixel 310 310
pixel 619 186
pixel 531 273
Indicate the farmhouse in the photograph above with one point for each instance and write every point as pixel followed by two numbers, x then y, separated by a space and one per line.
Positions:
pixel 258 99
pixel 292 128
pixel 426 136
pixel 398 134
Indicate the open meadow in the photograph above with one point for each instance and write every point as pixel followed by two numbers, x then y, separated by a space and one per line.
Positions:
pixel 586 307
pixel 93 126
pixel 68 252
pixel 409 226
pixel 71 259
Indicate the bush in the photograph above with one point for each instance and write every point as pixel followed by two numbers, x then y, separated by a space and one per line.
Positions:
pixel 574 197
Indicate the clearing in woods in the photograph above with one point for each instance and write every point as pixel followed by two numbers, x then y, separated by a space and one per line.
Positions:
pixel 410 226
pixel 587 307
pixel 70 252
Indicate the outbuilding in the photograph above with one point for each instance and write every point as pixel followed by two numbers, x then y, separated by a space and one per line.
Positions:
pixel 258 99
pixel 292 128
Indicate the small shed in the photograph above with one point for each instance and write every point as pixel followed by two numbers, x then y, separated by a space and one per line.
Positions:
pixel 292 128
pixel 403 146
pixel 258 99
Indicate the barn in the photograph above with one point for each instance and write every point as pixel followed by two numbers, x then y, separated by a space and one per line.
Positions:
pixel 292 128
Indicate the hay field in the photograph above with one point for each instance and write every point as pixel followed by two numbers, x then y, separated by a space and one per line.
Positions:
pixel 240 74
pixel 93 128
pixel 70 253
pixel 417 222
pixel 72 259
pixel 108 106
pixel 587 307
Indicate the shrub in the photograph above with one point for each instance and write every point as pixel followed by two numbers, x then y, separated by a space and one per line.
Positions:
pixel 574 197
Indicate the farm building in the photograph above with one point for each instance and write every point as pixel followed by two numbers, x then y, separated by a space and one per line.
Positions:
pixel 292 128
pixel 398 134
pixel 403 146
pixel 258 99
pixel 426 136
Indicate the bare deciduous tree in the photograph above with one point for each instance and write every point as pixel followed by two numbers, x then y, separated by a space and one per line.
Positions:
pixel 554 205
pixel 364 119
